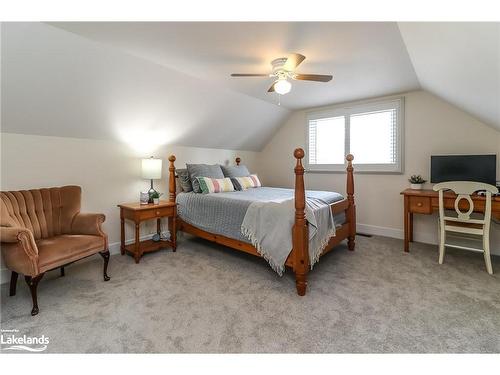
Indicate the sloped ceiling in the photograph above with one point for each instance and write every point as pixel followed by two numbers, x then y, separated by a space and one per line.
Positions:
pixel 170 83
pixel 60 84
pixel 460 62
pixel 366 58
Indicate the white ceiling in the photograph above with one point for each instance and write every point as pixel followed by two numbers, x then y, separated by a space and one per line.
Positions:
pixel 366 58
pixel 460 62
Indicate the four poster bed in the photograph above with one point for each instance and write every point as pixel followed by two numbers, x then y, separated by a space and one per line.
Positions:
pixel 298 259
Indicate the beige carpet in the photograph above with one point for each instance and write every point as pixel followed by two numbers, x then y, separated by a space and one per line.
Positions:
pixel 206 298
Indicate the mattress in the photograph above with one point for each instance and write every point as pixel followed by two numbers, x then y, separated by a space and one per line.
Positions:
pixel 223 213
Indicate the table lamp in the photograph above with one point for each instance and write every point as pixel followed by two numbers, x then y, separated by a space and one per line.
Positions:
pixel 151 170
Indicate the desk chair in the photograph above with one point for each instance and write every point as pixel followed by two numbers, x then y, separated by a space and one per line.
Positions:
pixel 463 223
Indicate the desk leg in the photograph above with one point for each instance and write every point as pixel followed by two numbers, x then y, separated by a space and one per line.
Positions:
pixel 410 229
pixel 406 225
pixel 137 249
pixel 122 235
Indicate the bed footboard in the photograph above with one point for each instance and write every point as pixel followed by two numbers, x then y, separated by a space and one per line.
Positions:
pixel 299 256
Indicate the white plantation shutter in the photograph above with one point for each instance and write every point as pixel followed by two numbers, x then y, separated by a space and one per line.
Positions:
pixel 326 140
pixel 371 132
pixel 312 142
pixel 394 135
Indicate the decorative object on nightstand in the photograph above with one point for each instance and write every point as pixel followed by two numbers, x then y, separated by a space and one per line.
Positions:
pixel 156 197
pixel 416 182
pixel 139 213
pixel 151 170
pixel 144 197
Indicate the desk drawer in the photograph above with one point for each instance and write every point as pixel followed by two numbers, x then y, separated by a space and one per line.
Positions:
pixel 421 205
pixel 155 212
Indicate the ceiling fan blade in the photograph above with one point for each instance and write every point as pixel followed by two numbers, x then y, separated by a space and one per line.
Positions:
pixel 313 77
pixel 249 75
pixel 293 61
pixel 271 89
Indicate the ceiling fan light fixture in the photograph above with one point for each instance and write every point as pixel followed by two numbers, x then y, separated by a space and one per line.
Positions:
pixel 282 86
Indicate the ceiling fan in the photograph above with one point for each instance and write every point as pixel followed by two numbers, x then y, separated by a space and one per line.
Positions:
pixel 283 69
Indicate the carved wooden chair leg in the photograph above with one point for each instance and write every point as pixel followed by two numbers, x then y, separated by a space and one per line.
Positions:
pixel 62 272
pixel 13 283
pixel 105 256
pixel 33 284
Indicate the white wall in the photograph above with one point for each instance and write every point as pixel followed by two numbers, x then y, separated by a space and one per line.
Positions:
pixel 109 172
pixel 432 126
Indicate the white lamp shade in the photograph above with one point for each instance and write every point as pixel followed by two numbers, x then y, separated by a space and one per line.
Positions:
pixel 151 169
pixel 282 86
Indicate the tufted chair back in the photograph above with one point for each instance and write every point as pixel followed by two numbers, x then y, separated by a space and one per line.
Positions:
pixel 45 212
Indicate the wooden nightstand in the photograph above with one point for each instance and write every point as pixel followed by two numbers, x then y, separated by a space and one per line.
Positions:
pixel 138 213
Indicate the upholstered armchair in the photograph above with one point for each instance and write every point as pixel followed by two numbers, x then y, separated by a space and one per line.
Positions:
pixel 42 230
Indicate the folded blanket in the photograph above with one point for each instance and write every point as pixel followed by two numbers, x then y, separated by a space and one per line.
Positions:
pixel 268 225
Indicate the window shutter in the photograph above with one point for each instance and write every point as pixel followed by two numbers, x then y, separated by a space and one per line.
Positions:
pixel 394 129
pixel 372 131
pixel 312 141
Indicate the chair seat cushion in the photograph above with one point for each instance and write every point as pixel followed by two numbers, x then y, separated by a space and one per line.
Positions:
pixel 59 250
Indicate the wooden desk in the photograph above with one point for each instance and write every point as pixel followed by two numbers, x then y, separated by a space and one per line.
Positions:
pixel 427 201
pixel 140 212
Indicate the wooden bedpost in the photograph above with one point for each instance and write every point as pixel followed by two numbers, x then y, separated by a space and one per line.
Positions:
pixel 300 236
pixel 172 227
pixel 171 179
pixel 238 160
pixel 351 210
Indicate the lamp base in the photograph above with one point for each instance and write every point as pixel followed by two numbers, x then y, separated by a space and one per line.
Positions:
pixel 151 191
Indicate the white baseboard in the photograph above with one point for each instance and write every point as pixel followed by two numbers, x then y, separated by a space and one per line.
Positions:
pixel 420 236
pixel 395 233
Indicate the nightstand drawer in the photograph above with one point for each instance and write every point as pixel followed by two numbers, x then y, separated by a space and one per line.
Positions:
pixel 155 212
pixel 420 205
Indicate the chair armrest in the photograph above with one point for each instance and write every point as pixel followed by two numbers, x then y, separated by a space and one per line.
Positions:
pixel 88 224
pixel 19 235
pixel 19 250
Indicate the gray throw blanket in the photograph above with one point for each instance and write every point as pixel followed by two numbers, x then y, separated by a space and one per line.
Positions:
pixel 268 225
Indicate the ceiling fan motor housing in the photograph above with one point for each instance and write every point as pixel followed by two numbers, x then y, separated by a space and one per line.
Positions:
pixel 278 69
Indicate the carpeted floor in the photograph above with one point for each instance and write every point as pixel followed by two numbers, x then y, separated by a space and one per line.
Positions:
pixel 206 298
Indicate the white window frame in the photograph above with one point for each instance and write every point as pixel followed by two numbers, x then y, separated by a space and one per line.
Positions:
pixel 351 109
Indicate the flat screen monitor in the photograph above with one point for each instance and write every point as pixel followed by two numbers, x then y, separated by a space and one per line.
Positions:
pixel 480 168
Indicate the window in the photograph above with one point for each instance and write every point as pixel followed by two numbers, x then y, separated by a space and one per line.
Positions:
pixel 372 132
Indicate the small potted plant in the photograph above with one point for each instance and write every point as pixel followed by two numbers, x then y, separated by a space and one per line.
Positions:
pixel 156 197
pixel 416 182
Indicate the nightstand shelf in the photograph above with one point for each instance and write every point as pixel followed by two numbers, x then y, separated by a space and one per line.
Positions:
pixel 148 246
pixel 138 213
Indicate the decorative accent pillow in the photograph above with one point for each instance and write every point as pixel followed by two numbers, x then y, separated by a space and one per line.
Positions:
pixel 235 171
pixel 215 185
pixel 203 170
pixel 184 180
pixel 244 183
